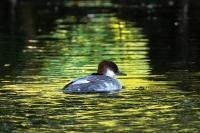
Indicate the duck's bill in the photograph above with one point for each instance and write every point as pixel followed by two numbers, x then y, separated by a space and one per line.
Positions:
pixel 121 73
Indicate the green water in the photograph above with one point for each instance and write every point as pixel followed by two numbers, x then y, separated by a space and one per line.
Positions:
pixel 31 79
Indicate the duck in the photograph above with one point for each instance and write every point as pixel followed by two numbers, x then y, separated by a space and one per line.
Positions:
pixel 102 81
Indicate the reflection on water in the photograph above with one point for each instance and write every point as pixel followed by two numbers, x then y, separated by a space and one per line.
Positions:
pixel 30 95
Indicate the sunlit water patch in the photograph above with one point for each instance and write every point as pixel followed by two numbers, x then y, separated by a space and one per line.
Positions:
pixel 32 100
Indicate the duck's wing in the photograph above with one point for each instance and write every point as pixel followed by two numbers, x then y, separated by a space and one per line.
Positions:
pixel 76 81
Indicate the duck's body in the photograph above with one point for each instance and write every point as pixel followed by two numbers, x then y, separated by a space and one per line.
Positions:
pixel 93 83
pixel 102 81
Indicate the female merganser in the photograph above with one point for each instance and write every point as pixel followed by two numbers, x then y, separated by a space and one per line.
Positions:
pixel 102 81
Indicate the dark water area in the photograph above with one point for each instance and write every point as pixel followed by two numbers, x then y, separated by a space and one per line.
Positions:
pixel 44 44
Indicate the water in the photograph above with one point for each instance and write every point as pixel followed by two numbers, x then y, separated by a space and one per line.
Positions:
pixel 42 50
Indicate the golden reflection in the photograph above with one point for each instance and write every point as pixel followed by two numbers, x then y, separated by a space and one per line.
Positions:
pixel 66 53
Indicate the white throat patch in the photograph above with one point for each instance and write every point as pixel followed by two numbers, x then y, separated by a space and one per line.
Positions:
pixel 109 73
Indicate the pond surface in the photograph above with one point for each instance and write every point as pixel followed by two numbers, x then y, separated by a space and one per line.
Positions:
pixel 42 50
